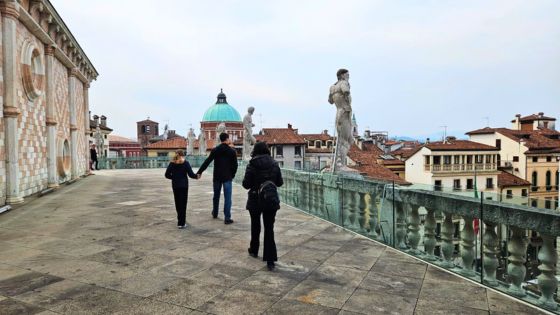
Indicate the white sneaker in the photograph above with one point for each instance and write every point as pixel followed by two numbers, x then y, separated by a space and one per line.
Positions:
pixel 181 226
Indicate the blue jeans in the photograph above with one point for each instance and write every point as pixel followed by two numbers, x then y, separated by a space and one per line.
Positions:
pixel 227 198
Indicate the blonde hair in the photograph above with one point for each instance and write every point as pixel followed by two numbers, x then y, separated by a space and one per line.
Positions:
pixel 178 154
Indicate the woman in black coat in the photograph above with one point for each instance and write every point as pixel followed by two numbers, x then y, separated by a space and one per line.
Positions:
pixel 178 170
pixel 261 168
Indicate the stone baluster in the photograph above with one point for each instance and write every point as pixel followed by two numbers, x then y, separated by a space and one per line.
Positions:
pixel 362 214
pixel 447 246
pixel 490 250
pixel 373 213
pixel 401 224
pixel 547 279
pixel 321 200
pixel 517 247
pixel 467 248
pixel 430 235
pixel 313 197
pixel 413 228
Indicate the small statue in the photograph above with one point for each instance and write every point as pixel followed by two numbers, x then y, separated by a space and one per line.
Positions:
pixel 99 141
pixel 248 138
pixel 190 142
pixel 339 95
pixel 221 128
pixel 201 143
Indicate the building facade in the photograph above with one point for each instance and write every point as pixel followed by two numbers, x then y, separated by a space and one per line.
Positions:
pixel 455 165
pixel 529 150
pixel 146 130
pixel 287 147
pixel 123 147
pixel 319 150
pixel 44 122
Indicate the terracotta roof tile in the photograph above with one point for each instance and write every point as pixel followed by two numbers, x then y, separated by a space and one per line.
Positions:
pixel 534 117
pixel 506 179
pixel 537 141
pixel 177 143
pixel 317 136
pixel 459 145
pixel 280 136
pixel 366 161
pixel 116 138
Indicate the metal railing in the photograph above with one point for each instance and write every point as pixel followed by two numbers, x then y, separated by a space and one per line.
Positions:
pixel 143 162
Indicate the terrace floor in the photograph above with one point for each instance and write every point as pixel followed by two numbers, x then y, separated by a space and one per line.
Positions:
pixel 108 244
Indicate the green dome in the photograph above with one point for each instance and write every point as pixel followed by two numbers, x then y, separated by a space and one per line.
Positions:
pixel 221 111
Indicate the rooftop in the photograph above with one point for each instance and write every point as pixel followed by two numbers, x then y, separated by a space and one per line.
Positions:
pixel 506 179
pixel 537 141
pixel 129 258
pixel 280 136
pixel 459 145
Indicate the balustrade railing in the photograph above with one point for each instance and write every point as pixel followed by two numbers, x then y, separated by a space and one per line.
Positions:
pixel 143 162
pixel 505 246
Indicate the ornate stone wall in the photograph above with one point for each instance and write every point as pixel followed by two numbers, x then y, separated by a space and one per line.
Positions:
pixel 32 129
pixel 80 123
pixel 2 136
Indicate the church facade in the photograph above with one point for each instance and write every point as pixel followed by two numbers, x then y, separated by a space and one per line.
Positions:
pixel 44 121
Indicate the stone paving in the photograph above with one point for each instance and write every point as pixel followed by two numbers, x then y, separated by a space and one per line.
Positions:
pixel 108 244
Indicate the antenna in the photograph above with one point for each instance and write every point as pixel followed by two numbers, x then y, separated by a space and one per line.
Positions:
pixel 487 121
pixel 444 133
pixel 260 121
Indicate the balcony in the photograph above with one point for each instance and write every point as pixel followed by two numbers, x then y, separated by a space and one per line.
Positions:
pixel 459 168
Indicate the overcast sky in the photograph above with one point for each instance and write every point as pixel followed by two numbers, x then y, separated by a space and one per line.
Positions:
pixel 414 65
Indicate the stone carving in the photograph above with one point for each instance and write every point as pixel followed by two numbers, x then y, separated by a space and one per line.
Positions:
pixel 248 138
pixel 221 128
pixel 190 142
pixel 201 143
pixel 339 95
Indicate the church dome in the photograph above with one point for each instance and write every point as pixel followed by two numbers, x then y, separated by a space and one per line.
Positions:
pixel 221 111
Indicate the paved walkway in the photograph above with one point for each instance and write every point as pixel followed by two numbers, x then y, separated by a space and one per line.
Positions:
pixel 109 244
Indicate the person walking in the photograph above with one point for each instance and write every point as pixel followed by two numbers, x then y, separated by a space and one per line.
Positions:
pixel 262 170
pixel 178 170
pixel 93 155
pixel 225 167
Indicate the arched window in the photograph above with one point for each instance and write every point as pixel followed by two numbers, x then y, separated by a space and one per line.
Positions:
pixel 548 180
pixel 534 181
pixel 557 179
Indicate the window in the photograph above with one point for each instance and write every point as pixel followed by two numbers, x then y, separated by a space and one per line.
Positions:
pixel 533 202
pixel 498 143
pixel 318 144
pixel 105 136
pixel 488 158
pixel 516 158
pixel 437 159
pixel 147 129
pixel 489 182
pixel 456 184
pixel 427 160
pixel 549 158
pixel 437 185
pixel 479 159
pixel 534 179
pixel 509 194
pixel 457 159
pixel 329 144
pixel 279 150
pixel 547 203
pixel 162 154
pixel 469 159
pixel 297 150
pixel 557 179
pixel 447 159
pixel 470 183
pixel 535 159
pixel 297 165
pixel 548 180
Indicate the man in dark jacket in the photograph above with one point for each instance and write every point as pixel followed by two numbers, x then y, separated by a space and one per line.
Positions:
pixel 225 167
pixel 93 154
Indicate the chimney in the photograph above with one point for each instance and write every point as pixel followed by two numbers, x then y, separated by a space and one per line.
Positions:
pixel 325 132
pixel 289 126
pixel 103 121
pixel 427 140
pixel 451 138
pixel 541 114
pixel 96 120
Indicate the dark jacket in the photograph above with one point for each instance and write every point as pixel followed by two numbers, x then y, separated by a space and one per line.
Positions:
pixel 93 154
pixel 260 169
pixel 178 174
pixel 225 163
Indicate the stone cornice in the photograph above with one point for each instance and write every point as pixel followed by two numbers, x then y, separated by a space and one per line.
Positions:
pixel 49 50
pixel 43 21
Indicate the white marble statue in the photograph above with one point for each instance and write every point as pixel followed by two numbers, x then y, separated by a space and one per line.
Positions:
pixel 190 142
pixel 221 128
pixel 339 95
pixel 99 141
pixel 201 143
pixel 248 138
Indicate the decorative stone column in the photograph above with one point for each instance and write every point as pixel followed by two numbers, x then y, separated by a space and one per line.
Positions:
pixel 86 125
pixel 73 125
pixel 468 238
pixel 547 279
pixel 9 10
pixel 51 117
pixel 430 235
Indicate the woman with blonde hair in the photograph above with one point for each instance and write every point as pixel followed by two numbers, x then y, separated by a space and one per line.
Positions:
pixel 178 170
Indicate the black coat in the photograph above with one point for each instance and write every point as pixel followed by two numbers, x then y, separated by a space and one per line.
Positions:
pixel 178 174
pixel 93 154
pixel 260 169
pixel 225 163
